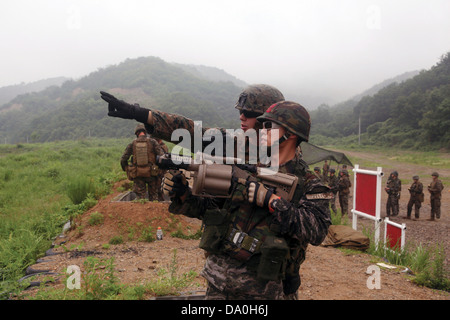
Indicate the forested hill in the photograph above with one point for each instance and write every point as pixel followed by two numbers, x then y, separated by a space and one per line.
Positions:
pixel 411 114
pixel 9 92
pixel 75 110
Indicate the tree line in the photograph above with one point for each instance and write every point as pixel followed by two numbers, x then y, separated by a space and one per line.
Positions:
pixel 412 114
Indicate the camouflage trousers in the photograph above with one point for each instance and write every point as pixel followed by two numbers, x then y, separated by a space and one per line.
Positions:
pixel 333 203
pixel 392 205
pixel 343 202
pixel 229 279
pixel 414 202
pixel 142 185
pixel 435 208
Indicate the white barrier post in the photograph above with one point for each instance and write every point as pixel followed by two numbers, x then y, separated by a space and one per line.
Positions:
pixel 394 233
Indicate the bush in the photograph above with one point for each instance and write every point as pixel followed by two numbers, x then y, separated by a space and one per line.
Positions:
pixel 79 188
pixel 95 218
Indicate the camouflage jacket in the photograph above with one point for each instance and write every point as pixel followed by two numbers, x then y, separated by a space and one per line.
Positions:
pixel 333 183
pixel 344 185
pixel 416 189
pixel 393 187
pixel 303 221
pixel 435 188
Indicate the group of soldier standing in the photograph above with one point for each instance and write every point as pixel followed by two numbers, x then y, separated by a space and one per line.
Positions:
pixel 340 185
pixel 393 189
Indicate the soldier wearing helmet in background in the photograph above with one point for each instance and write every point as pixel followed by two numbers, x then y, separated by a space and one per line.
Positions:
pixel 325 170
pixel 255 240
pixel 435 188
pixel 317 173
pixel 344 185
pixel 416 198
pixel 333 184
pixel 393 189
pixel 142 170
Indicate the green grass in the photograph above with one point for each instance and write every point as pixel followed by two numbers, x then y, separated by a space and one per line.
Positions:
pixel 41 187
pixel 426 262
pixel 100 282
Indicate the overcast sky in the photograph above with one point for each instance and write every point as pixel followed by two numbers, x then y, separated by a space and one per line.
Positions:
pixel 329 48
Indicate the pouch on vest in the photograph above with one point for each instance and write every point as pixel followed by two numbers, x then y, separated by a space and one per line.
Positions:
pixel 131 172
pixel 144 172
pixel 274 253
pixel 216 227
pixel 154 170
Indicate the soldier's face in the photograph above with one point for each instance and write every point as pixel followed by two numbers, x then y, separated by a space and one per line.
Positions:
pixel 271 133
pixel 248 120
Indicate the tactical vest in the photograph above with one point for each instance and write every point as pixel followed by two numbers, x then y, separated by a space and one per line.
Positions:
pixel 249 234
pixel 144 157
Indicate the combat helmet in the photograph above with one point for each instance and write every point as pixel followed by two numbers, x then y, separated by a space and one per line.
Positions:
pixel 435 174
pixel 291 115
pixel 257 98
pixel 139 127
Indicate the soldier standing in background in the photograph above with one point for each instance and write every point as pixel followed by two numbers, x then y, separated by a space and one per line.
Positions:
pixel 317 173
pixel 416 198
pixel 333 184
pixel 325 170
pixel 393 189
pixel 344 185
pixel 142 170
pixel 435 188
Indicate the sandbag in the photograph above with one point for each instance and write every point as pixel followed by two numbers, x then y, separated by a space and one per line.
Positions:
pixel 344 236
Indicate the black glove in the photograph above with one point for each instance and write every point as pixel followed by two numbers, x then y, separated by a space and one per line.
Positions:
pixel 174 184
pixel 121 109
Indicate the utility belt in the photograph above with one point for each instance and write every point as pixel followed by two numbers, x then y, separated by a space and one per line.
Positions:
pixel 147 171
pixel 268 256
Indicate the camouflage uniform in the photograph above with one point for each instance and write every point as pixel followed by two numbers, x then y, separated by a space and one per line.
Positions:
pixel 325 170
pixel 416 191
pixel 317 174
pixel 237 234
pixel 393 188
pixel 435 188
pixel 333 184
pixel 143 176
pixel 233 272
pixel 344 185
